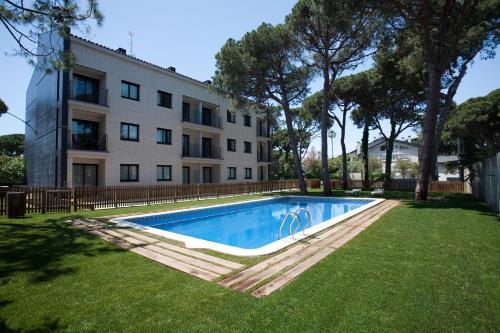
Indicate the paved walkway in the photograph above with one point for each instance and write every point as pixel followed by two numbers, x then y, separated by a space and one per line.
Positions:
pixel 261 279
pixel 196 263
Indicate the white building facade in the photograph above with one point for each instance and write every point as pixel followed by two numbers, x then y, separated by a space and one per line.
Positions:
pixel 117 120
pixel 406 150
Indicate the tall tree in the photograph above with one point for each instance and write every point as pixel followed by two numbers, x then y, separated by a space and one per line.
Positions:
pixel 25 23
pixel 265 67
pixel 363 115
pixel 337 36
pixel 444 29
pixel 342 100
pixel 399 98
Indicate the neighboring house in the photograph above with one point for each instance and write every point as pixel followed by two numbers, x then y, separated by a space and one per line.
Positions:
pixel 404 150
pixel 443 167
pixel 117 120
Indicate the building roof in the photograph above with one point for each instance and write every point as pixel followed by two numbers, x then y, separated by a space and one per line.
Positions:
pixel 140 60
pixel 447 158
pixel 382 140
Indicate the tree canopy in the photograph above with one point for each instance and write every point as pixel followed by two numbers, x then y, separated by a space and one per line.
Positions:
pixel 265 67
pixel 26 23
pixel 3 107
pixel 474 127
pixel 12 145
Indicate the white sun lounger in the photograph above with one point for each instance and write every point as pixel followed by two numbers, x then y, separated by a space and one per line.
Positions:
pixel 378 191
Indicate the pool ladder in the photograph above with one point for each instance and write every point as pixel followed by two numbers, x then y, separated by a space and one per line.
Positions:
pixel 296 217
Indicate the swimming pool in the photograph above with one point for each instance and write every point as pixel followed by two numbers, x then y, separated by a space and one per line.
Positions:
pixel 252 227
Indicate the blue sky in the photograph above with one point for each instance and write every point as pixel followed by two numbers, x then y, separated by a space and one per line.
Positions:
pixel 187 34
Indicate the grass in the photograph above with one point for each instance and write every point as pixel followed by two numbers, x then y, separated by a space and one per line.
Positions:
pixel 432 266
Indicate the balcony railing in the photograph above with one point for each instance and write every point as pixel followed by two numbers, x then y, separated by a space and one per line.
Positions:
pixel 262 131
pixel 90 144
pixel 197 118
pixel 198 151
pixel 94 95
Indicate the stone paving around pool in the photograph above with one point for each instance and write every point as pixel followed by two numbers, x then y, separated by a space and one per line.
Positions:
pixel 259 280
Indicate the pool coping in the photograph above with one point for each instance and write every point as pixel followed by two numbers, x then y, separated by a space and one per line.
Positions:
pixel 196 243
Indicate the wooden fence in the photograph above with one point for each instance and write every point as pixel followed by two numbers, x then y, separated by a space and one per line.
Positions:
pixel 407 185
pixel 48 199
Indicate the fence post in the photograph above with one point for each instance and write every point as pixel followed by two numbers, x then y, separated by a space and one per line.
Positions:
pixel 44 200
pixel 198 191
pixel 147 195
pixel 74 197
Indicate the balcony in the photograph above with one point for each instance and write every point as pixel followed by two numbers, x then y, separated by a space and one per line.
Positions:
pixel 195 117
pixel 89 144
pixel 87 93
pixel 262 157
pixel 197 151
pixel 262 131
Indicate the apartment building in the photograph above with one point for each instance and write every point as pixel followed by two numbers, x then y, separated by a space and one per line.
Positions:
pixel 114 119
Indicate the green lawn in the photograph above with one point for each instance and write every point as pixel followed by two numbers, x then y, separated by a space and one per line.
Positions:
pixel 423 267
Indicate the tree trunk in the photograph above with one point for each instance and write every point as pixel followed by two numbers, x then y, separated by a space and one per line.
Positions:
pixel 364 153
pixel 295 153
pixel 441 122
pixel 325 175
pixel 389 148
pixel 428 131
pixel 345 171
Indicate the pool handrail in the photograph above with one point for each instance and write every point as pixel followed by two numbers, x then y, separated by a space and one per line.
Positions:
pixel 295 216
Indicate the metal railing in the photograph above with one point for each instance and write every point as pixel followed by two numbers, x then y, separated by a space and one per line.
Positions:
pixel 200 151
pixel 296 217
pixel 97 96
pixel 196 117
pixel 91 144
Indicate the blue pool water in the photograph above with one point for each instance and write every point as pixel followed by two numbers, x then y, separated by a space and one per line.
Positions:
pixel 248 225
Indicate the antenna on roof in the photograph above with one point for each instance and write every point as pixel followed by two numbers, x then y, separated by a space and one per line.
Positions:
pixel 131 34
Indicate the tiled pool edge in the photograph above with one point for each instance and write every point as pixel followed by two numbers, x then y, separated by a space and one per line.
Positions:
pixel 191 242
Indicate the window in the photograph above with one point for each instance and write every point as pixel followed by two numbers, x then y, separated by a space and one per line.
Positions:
pixel 186 111
pixel 85 89
pixel 248 147
pixel 163 136
pixel 231 173
pixel 129 172
pixel 382 148
pixel 248 173
pixel 130 90
pixel 84 174
pixel 206 116
pixel 129 132
pixel 231 145
pixel 84 134
pixel 248 120
pixel 231 117
pixel 164 99
pixel 163 172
